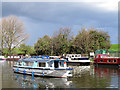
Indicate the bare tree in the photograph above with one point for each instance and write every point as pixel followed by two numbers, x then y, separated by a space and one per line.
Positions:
pixel 12 33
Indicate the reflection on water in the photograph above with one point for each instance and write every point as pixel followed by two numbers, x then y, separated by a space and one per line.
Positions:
pixel 83 77
pixel 36 82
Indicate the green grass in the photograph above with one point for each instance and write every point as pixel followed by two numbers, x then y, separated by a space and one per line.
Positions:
pixel 114 47
pixel 91 59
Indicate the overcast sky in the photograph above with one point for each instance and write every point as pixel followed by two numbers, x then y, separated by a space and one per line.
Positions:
pixel 42 18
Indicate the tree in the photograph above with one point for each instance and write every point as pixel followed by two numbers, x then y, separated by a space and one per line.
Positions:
pixel 82 41
pixel 12 33
pixel 2 33
pixel 5 52
pixel 26 49
pixel 91 39
pixel 99 39
pixel 57 45
pixel 43 46
pixel 62 41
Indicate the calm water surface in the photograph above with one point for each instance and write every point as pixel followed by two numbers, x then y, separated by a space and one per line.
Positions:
pixel 84 77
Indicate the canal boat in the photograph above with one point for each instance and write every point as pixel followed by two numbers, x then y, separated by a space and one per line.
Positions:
pixel 43 67
pixel 2 58
pixel 104 59
pixel 15 57
pixel 76 59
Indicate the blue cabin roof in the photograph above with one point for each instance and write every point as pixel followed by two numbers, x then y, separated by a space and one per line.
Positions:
pixel 39 60
pixel 42 56
pixel 33 59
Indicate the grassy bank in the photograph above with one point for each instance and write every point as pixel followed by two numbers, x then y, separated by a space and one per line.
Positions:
pixel 114 47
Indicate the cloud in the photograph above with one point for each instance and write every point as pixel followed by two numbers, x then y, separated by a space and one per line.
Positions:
pixel 65 13
pixel 106 4
pixel 46 17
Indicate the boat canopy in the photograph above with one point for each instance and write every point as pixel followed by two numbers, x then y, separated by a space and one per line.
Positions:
pixel 32 60
pixel 42 56
pixel 39 60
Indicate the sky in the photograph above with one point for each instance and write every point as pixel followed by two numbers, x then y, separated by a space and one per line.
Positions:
pixel 44 18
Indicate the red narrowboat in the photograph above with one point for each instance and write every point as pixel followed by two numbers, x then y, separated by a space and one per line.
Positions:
pixel 2 58
pixel 106 59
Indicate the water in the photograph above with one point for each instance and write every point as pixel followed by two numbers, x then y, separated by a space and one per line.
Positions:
pixel 84 77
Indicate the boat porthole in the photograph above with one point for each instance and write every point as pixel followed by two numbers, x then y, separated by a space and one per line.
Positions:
pixel 101 60
pixel 114 60
pixel 109 60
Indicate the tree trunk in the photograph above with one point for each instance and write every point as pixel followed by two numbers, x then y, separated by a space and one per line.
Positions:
pixel 2 46
pixel 10 52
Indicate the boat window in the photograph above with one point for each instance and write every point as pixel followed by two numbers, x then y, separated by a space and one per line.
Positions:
pixel 97 56
pixel 56 64
pixel 30 64
pixel 75 55
pixel 78 55
pixel 50 64
pixel 72 55
pixel 61 64
pixel 51 57
pixel 19 63
pixel 101 60
pixel 109 60
pixel 41 64
pixel 104 56
pixel 24 63
pixel 27 64
pixel 114 60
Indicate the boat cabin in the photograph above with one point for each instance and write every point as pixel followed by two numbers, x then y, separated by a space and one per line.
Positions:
pixel 40 63
pixel 74 57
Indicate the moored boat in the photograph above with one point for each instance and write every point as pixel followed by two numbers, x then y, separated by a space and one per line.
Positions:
pixel 104 59
pixel 76 59
pixel 43 67
pixel 2 58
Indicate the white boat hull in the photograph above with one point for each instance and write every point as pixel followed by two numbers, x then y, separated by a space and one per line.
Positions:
pixel 82 61
pixel 43 72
